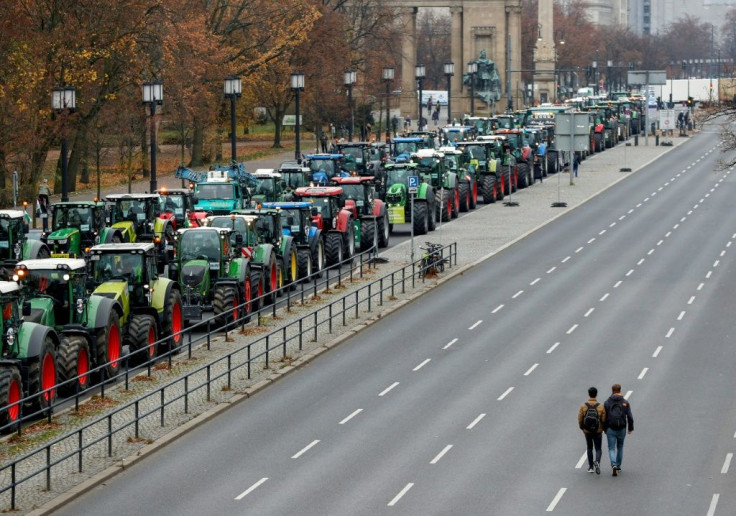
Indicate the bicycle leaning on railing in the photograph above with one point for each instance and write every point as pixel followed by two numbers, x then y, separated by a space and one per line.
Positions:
pixel 433 260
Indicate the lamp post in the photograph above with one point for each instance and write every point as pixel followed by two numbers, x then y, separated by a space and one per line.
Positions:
pixel 609 64
pixel 594 66
pixel 153 94
pixel 63 101
pixel 472 70
pixel 419 74
pixel 388 78
pixel 561 39
pixel 297 85
pixel 233 90
pixel 350 79
pixel 449 72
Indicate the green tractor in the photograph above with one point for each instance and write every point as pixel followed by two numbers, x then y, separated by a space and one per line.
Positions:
pixel 214 274
pixel 76 226
pixel 14 242
pixel 149 305
pixel 27 359
pixel 457 161
pixel 88 326
pixel 398 201
pixel 270 187
pixel 446 186
pixel 483 156
pixel 295 175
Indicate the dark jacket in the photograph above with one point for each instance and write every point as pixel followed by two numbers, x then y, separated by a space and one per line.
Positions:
pixel 627 411
pixel 601 415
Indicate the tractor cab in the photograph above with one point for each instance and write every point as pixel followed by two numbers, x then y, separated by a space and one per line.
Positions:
pixel 14 242
pixel 294 175
pixel 326 166
pixel 77 226
pixel 269 187
pixel 177 205
pixel 403 147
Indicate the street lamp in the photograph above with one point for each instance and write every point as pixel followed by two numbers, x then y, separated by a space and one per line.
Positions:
pixel 153 94
pixel 350 80
pixel 561 35
pixel 63 101
pixel 472 70
pixel 233 90
pixel 419 73
pixel 449 72
pixel 388 78
pixel 297 85
pixel 594 66
pixel 609 64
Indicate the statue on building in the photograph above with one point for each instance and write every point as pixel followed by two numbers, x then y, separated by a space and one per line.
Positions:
pixel 487 84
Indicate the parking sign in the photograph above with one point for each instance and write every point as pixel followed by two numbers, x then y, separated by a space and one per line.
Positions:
pixel 413 184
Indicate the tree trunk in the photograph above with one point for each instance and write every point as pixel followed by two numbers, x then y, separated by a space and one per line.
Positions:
pixel 278 120
pixel 145 158
pixel 4 170
pixel 197 144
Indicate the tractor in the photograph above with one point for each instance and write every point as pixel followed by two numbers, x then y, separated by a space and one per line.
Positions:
pixel 77 226
pixel 88 326
pixel 296 221
pixel 214 274
pixel 398 201
pixel 455 134
pixel 456 161
pixel 403 147
pixel 336 223
pixel 359 194
pixel 27 359
pixel 270 187
pixel 295 175
pixel 14 242
pixel 326 166
pixel 361 158
pixel 177 205
pixel 498 159
pixel 138 217
pixel 445 184
pixel 523 157
pixel 149 305
pixel 222 191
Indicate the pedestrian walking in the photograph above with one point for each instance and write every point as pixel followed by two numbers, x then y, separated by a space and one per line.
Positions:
pixel 618 420
pixel 395 124
pixel 436 115
pixel 323 141
pixel 44 203
pixel 407 123
pixel 575 163
pixel 429 104
pixel 591 419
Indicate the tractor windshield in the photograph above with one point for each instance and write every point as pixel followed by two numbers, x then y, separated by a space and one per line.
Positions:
pixel 321 204
pixel 200 245
pixel 268 187
pixel 325 166
pixel 453 161
pixel 111 266
pixel 396 176
pixel 72 216
pixel 476 151
pixel 402 147
pixel 354 154
pixel 134 210
pixel 355 192
pixel 207 191
pixel 290 220
pixel 48 282
pixel 294 179
pixel 172 203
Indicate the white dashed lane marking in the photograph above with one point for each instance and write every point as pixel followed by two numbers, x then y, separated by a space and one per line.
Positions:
pixel 401 493
pixel 532 368
pixel 475 422
pixel 669 333
pixel 351 416
pixel 643 372
pixel 497 309
pixel 520 292
pixel 387 389
pixel 556 499
pixel 590 311
pixel 656 352
pixel 572 329
pixel 453 341
pixel 550 350
pixel 441 454
pixel 305 449
pixel 251 489
pixel 425 362
pixel 508 391
pixel 713 504
pixel 551 270
pixel 477 323
pixel 726 463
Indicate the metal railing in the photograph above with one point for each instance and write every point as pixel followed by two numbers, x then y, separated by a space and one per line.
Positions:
pixel 266 348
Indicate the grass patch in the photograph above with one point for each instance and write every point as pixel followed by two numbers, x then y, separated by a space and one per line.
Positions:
pixel 143 378
pixel 255 330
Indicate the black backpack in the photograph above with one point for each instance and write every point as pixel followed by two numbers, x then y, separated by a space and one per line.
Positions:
pixel 616 417
pixel 591 419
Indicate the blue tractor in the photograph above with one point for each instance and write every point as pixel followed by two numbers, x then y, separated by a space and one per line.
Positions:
pixel 296 221
pixel 326 166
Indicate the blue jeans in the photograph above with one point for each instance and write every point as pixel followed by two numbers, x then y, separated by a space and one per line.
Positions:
pixel 616 446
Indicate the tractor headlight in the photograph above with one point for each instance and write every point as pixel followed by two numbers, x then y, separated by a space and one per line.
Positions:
pixel 10 336
pixel 80 306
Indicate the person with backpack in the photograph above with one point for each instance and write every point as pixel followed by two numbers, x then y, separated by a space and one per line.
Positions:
pixel 591 420
pixel 618 420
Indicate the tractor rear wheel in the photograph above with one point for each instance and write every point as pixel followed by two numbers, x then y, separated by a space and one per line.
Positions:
pixel 42 376
pixel 464 189
pixel 523 178
pixel 419 218
pixel 109 346
pixel 455 194
pixel 349 240
pixel 271 283
pixel 431 215
pixel 444 205
pixel 142 338
pixel 225 305
pixel 488 188
pixel 172 322
pixel 383 229
pixel 318 257
pixel 256 285
pixel 73 361
pixel 11 391
pixel 368 235
pixel 304 262
pixel 292 270
pixel 333 248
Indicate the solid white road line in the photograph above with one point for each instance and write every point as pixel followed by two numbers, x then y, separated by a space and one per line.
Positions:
pixel 508 391
pixel 305 449
pixel 529 371
pixel 475 422
pixel 520 292
pixel 550 350
pixel 590 311
pixel 453 341
pixel 251 488
pixel 669 333
pixel 351 416
pixel 425 362
pixel 497 309
pixel 726 463
pixel 441 454
pixel 556 499
pixel 401 493
pixel 713 504
pixel 643 372
pixel 656 352
pixel 582 461
pixel 478 323
pixel 387 389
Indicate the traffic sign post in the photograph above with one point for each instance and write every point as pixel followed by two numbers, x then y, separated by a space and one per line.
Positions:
pixel 413 186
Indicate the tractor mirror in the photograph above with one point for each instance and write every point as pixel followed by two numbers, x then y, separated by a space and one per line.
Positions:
pixel 26 308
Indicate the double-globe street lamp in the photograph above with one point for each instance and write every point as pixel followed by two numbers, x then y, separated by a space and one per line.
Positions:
pixel 297 85
pixel 233 90
pixel 420 73
pixel 472 70
pixel 388 78
pixel 63 101
pixel 351 78
pixel 153 95
pixel 449 72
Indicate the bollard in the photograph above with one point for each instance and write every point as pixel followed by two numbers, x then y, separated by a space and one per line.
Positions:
pixel 656 140
pixel 636 140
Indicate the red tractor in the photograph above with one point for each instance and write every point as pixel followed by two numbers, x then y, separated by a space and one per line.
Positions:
pixel 177 205
pixel 336 222
pixel 359 193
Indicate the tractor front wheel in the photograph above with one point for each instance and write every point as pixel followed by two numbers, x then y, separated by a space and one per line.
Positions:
pixel 11 391
pixel 109 346
pixel 488 188
pixel 318 257
pixel 292 272
pixel 225 305
pixel 384 230
pixel 271 280
pixel 333 248
pixel 304 262
pixel 464 189
pixel 173 322
pixel 73 361
pixel 368 235
pixel 142 338
pixel 42 376
pixel 419 218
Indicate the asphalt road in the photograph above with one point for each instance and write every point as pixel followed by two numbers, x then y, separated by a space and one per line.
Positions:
pixel 466 401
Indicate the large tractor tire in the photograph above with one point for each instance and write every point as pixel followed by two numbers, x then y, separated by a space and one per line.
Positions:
pixel 431 214
pixel 271 280
pixel 455 203
pixel 291 271
pixel 349 241
pixel 142 338
pixel 109 346
pixel 226 306
pixel 598 142
pixel 73 360
pixel 523 175
pixel 333 248
pixel 368 235
pixel 319 261
pixel 256 285
pixel 444 203
pixel 464 190
pixel 383 230
pixel 304 262
pixel 11 391
pixel 172 321
pixel 247 297
pixel 473 188
pixel 419 218
pixel 488 188
pixel 41 376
